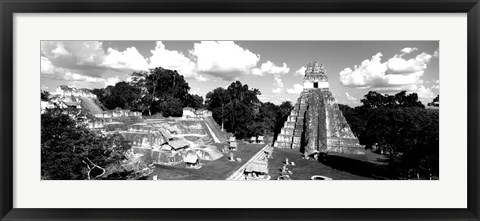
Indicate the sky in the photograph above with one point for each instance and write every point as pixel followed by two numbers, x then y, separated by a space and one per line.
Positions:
pixel 276 68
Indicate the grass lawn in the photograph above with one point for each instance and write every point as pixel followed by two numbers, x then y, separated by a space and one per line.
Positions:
pixel 337 166
pixel 219 169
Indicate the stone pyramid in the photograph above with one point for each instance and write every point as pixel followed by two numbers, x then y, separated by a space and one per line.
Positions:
pixel 316 124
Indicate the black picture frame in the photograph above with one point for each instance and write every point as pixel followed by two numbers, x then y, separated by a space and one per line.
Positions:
pixel 9 7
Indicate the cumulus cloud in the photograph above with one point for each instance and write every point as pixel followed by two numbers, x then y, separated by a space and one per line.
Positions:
pixel 223 59
pixel 350 98
pixel 74 54
pixel 424 93
pixel 300 72
pixel 129 59
pixel 264 98
pixel 297 89
pixel 270 68
pixel 89 61
pixel 174 60
pixel 277 85
pixel 436 85
pixel 46 66
pixel 112 81
pixel 395 72
pixel 69 76
pixel 408 50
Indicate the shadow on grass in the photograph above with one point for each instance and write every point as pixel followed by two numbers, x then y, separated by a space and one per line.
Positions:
pixel 357 167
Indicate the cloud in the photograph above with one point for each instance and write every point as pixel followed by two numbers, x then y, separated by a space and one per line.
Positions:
pixel 408 50
pixel 270 68
pixel 173 60
pixel 374 74
pixel 46 66
pixel 74 54
pixel 350 98
pixel 285 99
pixel 277 85
pixel 69 76
pixel 89 61
pixel 297 89
pixel 129 59
pixel 60 50
pixel 264 98
pixel 223 59
pixel 398 65
pixel 300 72
pixel 436 53
pixel 423 92
pixel 112 81
pixel 436 85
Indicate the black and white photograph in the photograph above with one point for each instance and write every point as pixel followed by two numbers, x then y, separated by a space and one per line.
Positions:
pixel 239 110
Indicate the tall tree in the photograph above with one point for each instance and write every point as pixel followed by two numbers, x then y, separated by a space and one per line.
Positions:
pixel 44 95
pixel 158 87
pixel 402 99
pixel 69 151
pixel 216 101
pixel 235 107
pixel 400 125
pixel 193 101
pixel 121 95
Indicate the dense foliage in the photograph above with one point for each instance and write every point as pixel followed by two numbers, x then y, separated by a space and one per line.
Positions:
pixel 400 126
pixel 238 109
pixel 154 91
pixel 122 95
pixel 44 95
pixel 435 102
pixel 70 151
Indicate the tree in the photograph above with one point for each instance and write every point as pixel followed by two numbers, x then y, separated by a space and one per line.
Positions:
pixel 355 119
pixel 376 100
pixel 122 95
pixel 241 106
pixel 400 125
pixel 171 106
pixel 44 95
pixel 283 111
pixel 216 101
pixel 194 101
pixel 265 120
pixel 69 151
pixel 435 102
pixel 158 87
pixel 235 107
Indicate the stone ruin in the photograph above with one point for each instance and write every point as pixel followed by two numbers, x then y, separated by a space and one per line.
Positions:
pixel 316 124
